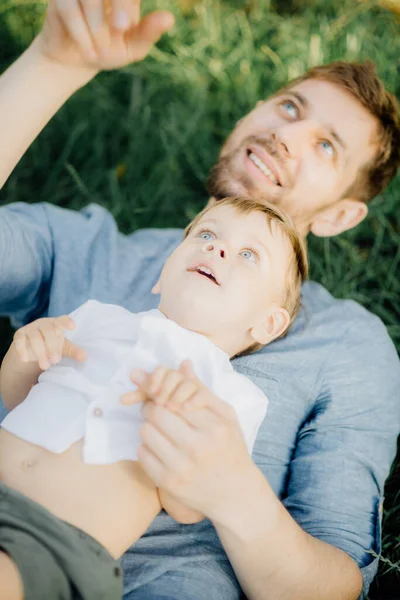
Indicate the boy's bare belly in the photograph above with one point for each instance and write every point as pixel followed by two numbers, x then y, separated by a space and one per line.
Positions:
pixel 113 503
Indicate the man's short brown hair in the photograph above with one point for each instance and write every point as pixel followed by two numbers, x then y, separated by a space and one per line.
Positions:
pixel 297 270
pixel 361 80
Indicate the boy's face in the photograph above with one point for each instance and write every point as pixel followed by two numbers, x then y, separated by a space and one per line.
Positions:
pixel 227 274
pixel 301 149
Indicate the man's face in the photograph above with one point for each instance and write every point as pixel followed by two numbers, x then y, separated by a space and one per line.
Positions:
pixel 226 274
pixel 301 150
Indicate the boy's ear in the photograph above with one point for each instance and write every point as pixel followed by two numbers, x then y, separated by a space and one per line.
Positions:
pixel 272 326
pixel 157 288
pixel 344 215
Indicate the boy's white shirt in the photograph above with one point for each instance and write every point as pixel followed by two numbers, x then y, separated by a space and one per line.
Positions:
pixel 82 400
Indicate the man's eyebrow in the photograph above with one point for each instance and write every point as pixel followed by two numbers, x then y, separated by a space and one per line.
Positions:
pixel 337 137
pixel 306 105
pixel 300 98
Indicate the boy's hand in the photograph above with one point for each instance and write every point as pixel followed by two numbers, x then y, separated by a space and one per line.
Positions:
pixel 168 387
pixel 100 34
pixel 44 342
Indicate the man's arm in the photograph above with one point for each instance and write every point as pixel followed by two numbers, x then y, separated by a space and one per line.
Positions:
pixel 343 455
pixel 273 558
pixel 73 46
pixel 31 92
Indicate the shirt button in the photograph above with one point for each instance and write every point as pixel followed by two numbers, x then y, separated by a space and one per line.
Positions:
pixel 117 571
pixel 97 412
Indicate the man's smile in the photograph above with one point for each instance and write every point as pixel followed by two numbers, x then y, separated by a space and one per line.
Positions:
pixel 264 163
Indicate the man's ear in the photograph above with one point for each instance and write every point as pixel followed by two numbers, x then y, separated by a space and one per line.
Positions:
pixel 272 326
pixel 157 288
pixel 343 215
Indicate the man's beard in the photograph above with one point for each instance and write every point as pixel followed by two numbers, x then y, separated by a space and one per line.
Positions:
pixel 224 180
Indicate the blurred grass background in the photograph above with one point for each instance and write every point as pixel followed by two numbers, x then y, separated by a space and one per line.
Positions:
pixel 141 141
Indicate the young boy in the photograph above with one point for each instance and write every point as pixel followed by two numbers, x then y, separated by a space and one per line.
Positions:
pixel 232 286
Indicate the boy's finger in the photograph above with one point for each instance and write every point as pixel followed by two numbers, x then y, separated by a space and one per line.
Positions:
pixel 147 33
pixel 53 342
pixel 72 351
pixel 139 377
pixel 168 386
pixel 182 394
pixel 38 348
pixel 65 322
pixel 186 368
pixel 156 379
pixel 133 397
pixel 74 22
pixel 20 342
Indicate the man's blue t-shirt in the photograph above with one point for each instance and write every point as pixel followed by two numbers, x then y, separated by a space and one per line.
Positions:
pixel 333 384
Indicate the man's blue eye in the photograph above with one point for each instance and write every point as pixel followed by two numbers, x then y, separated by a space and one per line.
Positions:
pixel 327 147
pixel 288 105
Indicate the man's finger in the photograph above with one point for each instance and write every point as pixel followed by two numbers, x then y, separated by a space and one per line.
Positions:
pixel 147 33
pixel 177 429
pixel 72 16
pixel 152 466
pixel 160 446
pixel 125 13
pixel 94 11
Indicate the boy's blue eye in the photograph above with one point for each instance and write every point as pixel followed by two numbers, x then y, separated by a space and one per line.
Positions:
pixel 249 254
pixel 206 235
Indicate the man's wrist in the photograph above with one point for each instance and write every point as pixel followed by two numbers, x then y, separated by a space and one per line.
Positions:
pixel 70 77
pixel 247 494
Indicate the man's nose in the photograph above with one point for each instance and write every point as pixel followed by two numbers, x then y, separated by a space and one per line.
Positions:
pixel 293 138
pixel 216 247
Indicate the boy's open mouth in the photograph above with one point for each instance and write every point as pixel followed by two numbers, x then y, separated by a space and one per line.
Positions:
pixel 205 271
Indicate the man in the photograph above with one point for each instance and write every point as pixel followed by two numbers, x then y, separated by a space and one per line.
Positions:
pixel 320 148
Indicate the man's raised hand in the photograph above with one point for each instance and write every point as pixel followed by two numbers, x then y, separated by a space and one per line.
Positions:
pixel 43 341
pixel 100 34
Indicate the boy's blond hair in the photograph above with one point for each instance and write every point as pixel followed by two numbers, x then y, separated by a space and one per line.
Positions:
pixel 297 270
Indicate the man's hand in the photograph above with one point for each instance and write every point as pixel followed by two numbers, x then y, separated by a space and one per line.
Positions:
pixel 170 388
pixel 197 455
pixel 43 342
pixel 100 34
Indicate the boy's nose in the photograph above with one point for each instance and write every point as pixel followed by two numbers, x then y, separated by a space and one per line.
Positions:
pixel 216 247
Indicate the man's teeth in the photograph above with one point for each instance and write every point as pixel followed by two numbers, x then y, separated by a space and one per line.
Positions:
pixel 263 168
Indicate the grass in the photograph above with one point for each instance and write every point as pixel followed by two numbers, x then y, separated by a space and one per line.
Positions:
pixel 140 141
